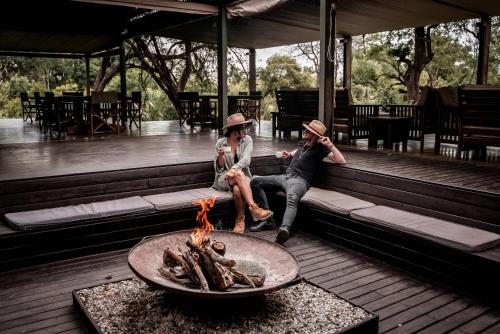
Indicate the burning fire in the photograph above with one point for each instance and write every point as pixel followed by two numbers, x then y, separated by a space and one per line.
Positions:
pixel 205 227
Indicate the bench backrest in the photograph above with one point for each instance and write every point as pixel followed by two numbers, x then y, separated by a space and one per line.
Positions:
pixel 302 102
pixel 480 113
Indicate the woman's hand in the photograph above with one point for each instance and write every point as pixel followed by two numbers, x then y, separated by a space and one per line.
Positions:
pixel 230 174
pixel 286 154
pixel 220 152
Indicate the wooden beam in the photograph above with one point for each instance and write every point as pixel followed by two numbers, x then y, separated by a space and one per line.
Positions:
pixel 87 75
pixel 222 67
pixel 327 64
pixel 42 54
pixel 252 71
pixel 347 62
pixel 484 50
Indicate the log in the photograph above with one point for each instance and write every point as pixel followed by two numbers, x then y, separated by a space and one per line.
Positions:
pixel 252 280
pixel 192 260
pixel 219 247
pixel 165 272
pixel 218 275
pixel 171 259
pixel 220 259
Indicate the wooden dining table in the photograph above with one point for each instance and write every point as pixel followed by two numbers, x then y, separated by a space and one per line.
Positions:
pixel 390 129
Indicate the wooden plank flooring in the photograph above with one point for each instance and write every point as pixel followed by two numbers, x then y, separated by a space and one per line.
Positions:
pixel 38 299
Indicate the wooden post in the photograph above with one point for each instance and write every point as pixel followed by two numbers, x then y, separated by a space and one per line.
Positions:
pixel 327 64
pixel 87 75
pixel 222 67
pixel 123 87
pixel 484 50
pixel 252 71
pixel 347 62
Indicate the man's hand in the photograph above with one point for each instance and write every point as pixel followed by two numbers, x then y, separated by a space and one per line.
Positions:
pixel 286 154
pixel 326 141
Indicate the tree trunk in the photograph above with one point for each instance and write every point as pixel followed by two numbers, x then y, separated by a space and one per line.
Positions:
pixel 155 64
pixel 103 75
pixel 422 56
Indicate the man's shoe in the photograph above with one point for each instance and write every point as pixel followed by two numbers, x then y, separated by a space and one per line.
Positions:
pixel 263 226
pixel 259 214
pixel 283 235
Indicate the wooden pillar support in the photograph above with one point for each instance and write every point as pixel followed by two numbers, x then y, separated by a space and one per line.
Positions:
pixel 327 64
pixel 347 41
pixel 484 50
pixel 222 67
pixel 123 74
pixel 252 71
pixel 87 75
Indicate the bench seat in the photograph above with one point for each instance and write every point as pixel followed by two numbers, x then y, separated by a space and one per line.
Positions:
pixel 45 218
pixel 183 199
pixel 444 232
pixel 330 200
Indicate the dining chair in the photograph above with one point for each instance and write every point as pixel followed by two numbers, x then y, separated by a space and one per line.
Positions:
pixel 28 106
pixel 134 110
pixel 104 114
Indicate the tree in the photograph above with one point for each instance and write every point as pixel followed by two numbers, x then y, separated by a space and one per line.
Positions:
pixel 168 62
pixel 283 71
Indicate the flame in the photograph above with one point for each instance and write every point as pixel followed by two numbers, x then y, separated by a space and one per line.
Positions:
pixel 205 227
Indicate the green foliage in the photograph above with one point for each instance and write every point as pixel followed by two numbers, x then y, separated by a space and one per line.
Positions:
pixel 283 71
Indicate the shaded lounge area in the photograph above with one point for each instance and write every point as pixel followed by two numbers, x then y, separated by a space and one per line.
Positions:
pixel 413 239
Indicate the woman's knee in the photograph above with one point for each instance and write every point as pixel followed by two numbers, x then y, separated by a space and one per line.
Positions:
pixel 236 191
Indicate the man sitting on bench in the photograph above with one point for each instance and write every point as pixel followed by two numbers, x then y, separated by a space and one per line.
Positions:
pixel 298 177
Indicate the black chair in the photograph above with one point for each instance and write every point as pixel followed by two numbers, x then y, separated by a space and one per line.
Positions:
pixel 134 110
pixel 189 109
pixel 53 117
pixel 104 115
pixel 29 107
pixel 38 106
pixel 295 107
pixel 479 112
pixel 422 114
pixel 351 119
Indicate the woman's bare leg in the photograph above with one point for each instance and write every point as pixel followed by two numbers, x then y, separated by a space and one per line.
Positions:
pixel 239 203
pixel 246 191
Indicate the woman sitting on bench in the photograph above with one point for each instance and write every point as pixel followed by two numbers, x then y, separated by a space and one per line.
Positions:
pixel 232 169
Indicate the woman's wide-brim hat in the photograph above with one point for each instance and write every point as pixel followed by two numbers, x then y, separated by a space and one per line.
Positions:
pixel 236 119
pixel 316 127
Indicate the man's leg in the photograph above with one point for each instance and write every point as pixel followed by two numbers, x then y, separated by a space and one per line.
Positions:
pixel 261 183
pixel 295 189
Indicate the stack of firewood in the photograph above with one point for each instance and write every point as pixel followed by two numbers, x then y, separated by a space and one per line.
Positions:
pixel 204 266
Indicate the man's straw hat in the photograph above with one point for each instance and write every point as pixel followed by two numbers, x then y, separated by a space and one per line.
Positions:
pixel 316 127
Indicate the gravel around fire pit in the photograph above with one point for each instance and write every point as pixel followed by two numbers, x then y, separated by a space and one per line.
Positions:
pixel 130 306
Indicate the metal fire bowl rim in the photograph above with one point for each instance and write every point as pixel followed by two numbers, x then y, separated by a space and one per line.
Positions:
pixel 159 282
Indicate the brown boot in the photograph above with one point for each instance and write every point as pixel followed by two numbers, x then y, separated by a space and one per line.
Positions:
pixel 239 226
pixel 259 214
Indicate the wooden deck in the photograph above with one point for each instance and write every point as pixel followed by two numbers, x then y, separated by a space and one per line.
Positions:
pixel 38 299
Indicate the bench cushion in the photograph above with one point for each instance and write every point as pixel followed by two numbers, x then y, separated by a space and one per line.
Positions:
pixel 330 200
pixel 37 219
pixel 444 232
pixel 183 199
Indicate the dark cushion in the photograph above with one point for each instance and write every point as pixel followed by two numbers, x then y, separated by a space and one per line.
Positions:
pixel 444 232
pixel 37 219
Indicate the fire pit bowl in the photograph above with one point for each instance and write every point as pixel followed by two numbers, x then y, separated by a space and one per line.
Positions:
pixel 252 255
